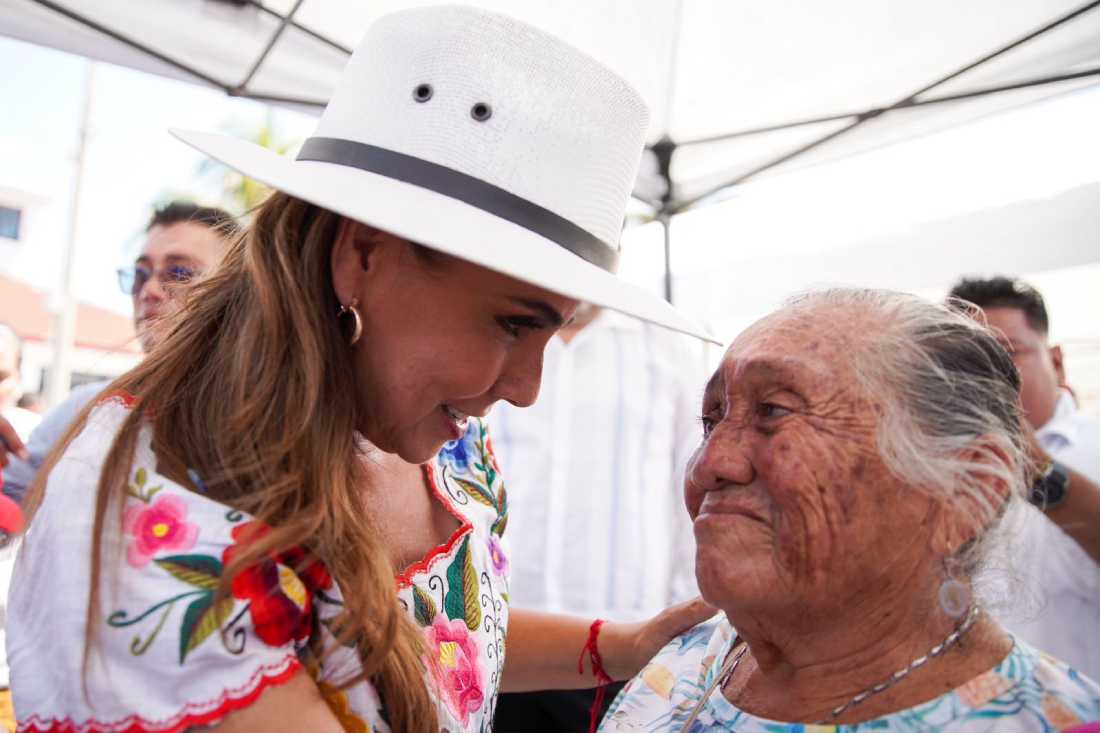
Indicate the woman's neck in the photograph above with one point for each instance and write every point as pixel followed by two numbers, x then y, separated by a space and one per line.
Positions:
pixel 801 670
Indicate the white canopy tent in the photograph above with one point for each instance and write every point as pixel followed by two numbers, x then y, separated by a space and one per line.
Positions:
pixel 738 90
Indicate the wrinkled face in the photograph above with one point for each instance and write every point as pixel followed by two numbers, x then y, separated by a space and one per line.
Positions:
pixel 791 502
pixel 1040 366
pixel 171 255
pixel 442 339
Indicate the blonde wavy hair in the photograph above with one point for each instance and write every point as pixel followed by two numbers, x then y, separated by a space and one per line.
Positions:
pixel 252 386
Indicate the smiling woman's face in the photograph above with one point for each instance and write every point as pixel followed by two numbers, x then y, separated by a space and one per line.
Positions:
pixel 442 340
pixel 791 502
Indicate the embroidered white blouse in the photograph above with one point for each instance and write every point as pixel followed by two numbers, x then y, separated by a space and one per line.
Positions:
pixel 166 657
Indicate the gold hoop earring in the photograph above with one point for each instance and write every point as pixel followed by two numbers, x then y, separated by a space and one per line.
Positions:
pixel 357 330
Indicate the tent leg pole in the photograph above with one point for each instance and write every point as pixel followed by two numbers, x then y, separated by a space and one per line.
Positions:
pixel 666 226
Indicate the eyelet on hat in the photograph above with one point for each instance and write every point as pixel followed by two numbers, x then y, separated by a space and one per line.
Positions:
pixel 422 93
pixel 481 111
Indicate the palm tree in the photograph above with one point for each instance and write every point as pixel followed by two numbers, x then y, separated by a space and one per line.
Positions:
pixel 240 193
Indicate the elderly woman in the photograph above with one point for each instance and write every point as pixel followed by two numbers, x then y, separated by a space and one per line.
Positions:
pixel 860 449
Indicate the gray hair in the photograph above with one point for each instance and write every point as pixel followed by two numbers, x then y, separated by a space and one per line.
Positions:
pixel 951 419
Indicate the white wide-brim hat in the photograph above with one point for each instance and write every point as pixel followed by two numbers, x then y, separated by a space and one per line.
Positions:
pixel 482 137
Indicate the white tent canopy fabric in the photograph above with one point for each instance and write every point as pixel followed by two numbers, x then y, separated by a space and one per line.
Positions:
pixel 738 90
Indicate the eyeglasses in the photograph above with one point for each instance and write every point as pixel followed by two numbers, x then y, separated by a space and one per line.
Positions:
pixel 133 279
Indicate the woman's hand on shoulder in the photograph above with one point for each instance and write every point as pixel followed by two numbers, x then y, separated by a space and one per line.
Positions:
pixel 294 705
pixel 627 647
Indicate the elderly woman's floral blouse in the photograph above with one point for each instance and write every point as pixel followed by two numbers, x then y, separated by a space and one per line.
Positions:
pixel 1028 691
pixel 170 658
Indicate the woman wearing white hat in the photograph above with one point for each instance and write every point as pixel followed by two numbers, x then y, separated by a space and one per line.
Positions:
pixel 246 493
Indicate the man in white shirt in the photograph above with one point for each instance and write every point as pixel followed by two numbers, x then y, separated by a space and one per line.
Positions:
pixel 1055 549
pixel 594 471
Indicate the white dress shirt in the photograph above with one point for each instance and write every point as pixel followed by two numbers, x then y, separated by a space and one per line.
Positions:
pixel 594 472
pixel 1062 576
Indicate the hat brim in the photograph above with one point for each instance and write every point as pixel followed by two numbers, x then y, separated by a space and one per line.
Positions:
pixel 443 224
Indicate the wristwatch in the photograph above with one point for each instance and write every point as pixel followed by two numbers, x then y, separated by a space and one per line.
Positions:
pixel 1050 487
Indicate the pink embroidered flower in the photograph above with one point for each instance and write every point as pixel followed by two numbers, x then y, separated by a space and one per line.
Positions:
pixel 453 660
pixel 158 526
pixel 496 554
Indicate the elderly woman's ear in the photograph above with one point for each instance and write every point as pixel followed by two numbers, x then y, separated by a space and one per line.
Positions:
pixel 978 499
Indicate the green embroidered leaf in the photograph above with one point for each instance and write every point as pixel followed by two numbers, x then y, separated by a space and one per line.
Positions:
pixel 201 571
pixel 502 500
pixel 201 619
pixel 477 492
pixel 152 492
pixel 423 607
pixel 504 596
pixel 500 525
pixel 461 600
pixel 486 464
pixel 140 477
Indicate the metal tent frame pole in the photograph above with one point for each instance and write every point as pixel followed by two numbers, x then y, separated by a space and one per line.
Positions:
pixel 230 88
pixel 674 206
pixel 665 149
pixel 906 102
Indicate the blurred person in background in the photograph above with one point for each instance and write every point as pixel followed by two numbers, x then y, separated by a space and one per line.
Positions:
pixel 1058 543
pixel 23 421
pixel 595 468
pixel 182 241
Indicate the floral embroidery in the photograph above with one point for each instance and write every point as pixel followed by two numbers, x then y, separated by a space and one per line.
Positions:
pixel 486 488
pixel 159 525
pixel 497 556
pixel 488 465
pixel 453 660
pixel 459 600
pixel 201 618
pixel 456 453
pixel 279 589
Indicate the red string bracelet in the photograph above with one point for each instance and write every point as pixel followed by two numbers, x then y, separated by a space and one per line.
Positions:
pixel 602 678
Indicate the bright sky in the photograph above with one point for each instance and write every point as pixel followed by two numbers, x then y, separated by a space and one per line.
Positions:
pixel 131 159
pixel 850 221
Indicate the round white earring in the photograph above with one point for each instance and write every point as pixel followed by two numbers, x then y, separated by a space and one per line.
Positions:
pixel 954 597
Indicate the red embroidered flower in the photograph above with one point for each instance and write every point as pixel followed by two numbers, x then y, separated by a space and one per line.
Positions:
pixel 492 453
pixel 279 589
pixel 452 657
pixel 161 525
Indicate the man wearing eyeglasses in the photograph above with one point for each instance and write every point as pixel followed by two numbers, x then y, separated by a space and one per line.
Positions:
pixel 182 241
